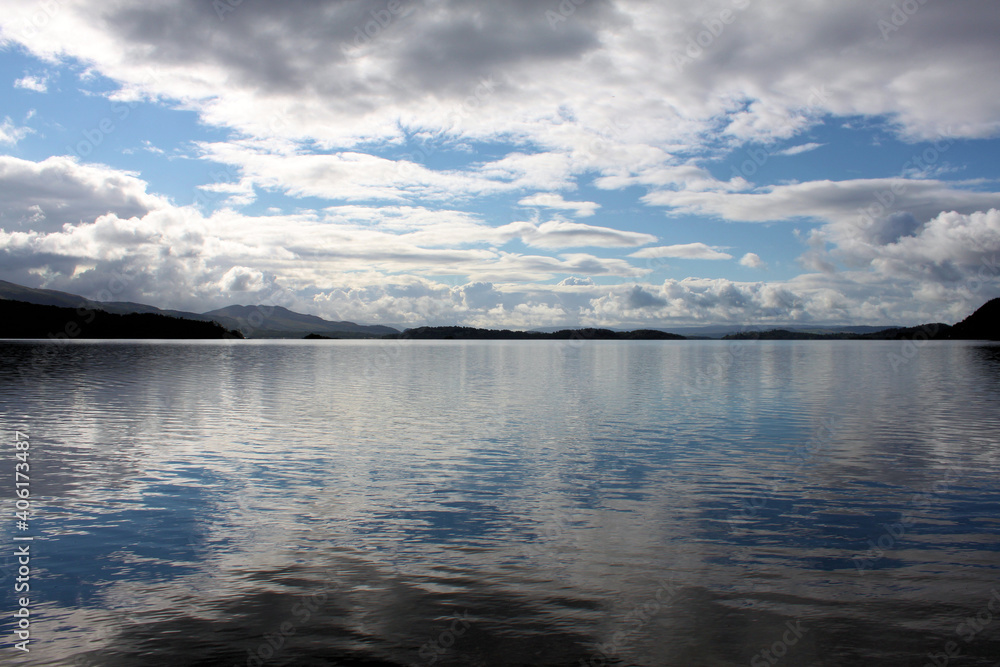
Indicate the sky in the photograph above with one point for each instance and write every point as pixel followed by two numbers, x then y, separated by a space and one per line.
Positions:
pixel 515 163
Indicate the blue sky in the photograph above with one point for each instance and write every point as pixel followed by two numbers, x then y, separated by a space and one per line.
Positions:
pixel 521 164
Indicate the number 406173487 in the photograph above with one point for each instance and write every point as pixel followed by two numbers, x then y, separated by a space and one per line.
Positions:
pixel 21 468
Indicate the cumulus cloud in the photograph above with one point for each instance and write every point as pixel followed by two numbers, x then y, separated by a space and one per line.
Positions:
pixel 951 248
pixel 682 251
pixel 638 298
pixel 59 190
pixel 242 279
pixel 753 261
pixel 38 84
pixel 573 281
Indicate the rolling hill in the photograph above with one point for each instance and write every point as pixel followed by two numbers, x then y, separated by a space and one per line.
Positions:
pixel 19 319
pixel 254 321
pixel 278 322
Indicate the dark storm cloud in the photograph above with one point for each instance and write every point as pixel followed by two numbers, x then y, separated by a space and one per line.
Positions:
pixel 300 46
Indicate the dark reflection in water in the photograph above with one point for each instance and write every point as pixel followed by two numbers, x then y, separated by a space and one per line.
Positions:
pixel 507 503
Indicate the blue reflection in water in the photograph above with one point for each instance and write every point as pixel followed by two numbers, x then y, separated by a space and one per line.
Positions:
pixel 506 503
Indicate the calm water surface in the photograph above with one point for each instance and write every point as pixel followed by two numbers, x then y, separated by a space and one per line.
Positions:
pixel 505 503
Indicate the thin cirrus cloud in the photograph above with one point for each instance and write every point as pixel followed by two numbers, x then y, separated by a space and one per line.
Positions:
pixel 682 251
pixel 581 209
pixel 564 234
pixel 801 148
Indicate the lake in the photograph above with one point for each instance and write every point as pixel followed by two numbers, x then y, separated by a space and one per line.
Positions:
pixel 503 502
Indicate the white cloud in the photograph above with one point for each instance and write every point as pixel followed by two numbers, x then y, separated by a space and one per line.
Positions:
pixel 753 261
pixel 564 234
pixel 11 133
pixel 582 209
pixel 573 281
pixel 598 92
pixel 846 203
pixel 952 248
pixel 597 99
pixel 68 222
pixel 242 279
pixel 355 176
pixel 39 84
pixel 92 223
pixel 801 148
pixel 682 251
pixel 59 190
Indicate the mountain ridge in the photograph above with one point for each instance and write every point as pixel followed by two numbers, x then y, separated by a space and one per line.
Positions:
pixel 260 321
pixel 276 321
pixel 21 319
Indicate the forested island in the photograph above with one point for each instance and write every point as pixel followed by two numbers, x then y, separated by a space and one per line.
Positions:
pixel 984 324
pixel 472 333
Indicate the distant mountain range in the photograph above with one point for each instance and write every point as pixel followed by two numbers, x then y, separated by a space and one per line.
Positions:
pixel 984 324
pixel 277 322
pixel 471 333
pixel 717 331
pixel 253 321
